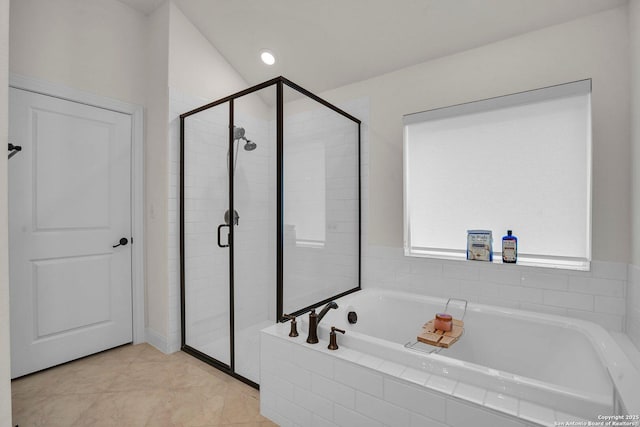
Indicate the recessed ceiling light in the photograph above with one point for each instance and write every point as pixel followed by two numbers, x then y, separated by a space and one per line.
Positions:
pixel 267 57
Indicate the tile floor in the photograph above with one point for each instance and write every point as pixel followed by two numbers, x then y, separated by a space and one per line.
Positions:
pixel 135 385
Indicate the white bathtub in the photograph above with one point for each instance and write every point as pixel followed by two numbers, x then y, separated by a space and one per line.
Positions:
pixel 568 365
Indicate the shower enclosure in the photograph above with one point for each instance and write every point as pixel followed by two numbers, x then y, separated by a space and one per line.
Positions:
pixel 269 217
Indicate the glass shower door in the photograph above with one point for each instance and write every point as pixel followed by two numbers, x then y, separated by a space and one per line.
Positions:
pixel 254 244
pixel 229 231
pixel 206 254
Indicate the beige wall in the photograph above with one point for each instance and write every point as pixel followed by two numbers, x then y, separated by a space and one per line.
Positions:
pixel 595 46
pixel 196 68
pixel 156 172
pixel 5 353
pixel 634 32
pixel 92 45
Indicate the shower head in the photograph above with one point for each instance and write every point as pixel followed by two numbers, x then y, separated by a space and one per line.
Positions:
pixel 238 133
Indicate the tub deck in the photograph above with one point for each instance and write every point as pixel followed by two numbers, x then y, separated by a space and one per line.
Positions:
pixel 545 369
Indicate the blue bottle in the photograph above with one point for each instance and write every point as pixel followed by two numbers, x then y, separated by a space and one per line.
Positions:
pixel 509 248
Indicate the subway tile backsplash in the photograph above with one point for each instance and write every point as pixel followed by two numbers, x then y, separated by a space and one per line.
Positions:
pixel 598 295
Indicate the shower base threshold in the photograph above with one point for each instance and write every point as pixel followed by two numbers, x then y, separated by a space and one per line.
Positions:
pixel 247 350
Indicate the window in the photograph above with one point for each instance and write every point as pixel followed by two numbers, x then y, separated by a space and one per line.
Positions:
pixel 520 162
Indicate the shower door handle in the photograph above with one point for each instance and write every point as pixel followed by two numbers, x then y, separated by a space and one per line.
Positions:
pixel 219 241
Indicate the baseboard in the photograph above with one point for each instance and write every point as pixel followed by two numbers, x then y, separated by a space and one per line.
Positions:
pixel 174 344
pixel 158 341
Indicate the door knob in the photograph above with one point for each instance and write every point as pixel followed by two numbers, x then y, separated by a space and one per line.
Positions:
pixel 123 242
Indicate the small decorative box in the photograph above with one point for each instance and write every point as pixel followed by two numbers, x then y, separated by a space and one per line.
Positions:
pixel 479 245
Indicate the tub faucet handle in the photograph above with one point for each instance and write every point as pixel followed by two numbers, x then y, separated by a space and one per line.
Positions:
pixel 333 340
pixel 294 325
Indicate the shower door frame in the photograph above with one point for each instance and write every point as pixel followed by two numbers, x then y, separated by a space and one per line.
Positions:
pixel 279 83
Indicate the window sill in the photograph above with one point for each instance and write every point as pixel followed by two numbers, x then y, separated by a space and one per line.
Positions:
pixel 576 264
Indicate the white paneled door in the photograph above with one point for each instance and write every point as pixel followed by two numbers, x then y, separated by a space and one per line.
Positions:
pixel 69 206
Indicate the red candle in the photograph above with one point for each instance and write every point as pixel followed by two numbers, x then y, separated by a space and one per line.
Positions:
pixel 443 322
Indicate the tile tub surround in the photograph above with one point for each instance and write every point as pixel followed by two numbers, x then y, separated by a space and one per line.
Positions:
pixel 308 385
pixel 372 360
pixel 597 295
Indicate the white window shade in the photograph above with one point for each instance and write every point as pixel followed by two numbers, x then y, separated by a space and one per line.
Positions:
pixel 519 162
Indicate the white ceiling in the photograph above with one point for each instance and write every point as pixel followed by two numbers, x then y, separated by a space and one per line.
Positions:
pixel 323 44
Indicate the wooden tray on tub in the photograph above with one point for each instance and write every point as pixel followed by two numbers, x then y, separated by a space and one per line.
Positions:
pixel 433 336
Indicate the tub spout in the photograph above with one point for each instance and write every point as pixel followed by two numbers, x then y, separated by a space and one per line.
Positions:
pixel 314 320
pixel 325 309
